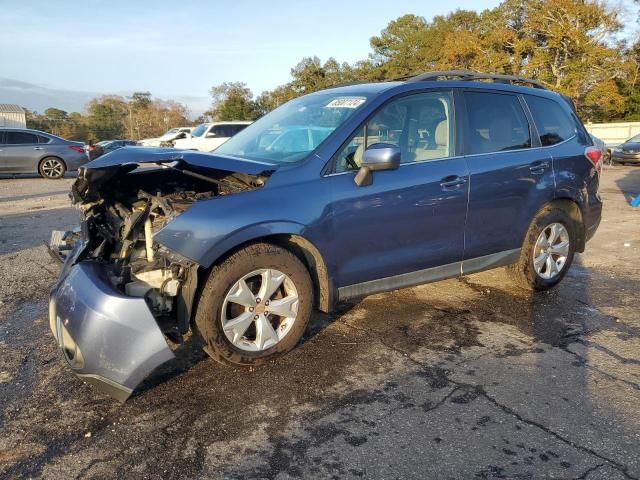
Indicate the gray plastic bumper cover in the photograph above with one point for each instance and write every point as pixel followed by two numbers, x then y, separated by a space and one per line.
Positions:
pixel 110 340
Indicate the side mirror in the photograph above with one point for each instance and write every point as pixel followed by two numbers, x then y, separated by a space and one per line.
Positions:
pixel 379 156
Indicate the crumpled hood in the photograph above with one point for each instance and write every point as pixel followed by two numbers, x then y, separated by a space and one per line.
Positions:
pixel 105 170
pixel 142 155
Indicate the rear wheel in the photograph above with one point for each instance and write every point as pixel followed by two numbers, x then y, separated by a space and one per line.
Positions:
pixel 52 167
pixel 255 305
pixel 547 251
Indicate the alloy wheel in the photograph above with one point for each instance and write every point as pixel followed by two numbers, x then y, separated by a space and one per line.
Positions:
pixel 52 168
pixel 259 310
pixel 551 251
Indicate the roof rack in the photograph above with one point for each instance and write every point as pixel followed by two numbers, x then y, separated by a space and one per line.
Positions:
pixel 470 76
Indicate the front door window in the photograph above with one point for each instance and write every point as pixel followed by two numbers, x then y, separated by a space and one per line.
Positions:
pixel 421 125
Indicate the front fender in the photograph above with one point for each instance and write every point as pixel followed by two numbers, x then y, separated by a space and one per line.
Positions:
pixel 211 228
pixel 252 232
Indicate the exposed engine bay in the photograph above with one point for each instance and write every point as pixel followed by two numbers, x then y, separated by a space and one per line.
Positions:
pixel 124 206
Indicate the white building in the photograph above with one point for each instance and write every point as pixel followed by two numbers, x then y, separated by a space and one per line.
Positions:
pixel 12 116
pixel 614 133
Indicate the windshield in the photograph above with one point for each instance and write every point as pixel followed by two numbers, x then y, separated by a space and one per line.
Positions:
pixel 635 138
pixel 292 131
pixel 171 130
pixel 199 130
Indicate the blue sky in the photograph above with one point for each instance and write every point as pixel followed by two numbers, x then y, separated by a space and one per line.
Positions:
pixel 71 50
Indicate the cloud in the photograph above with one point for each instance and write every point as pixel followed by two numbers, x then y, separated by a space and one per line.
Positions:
pixel 39 98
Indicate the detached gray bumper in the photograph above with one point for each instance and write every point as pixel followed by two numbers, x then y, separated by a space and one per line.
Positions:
pixel 110 340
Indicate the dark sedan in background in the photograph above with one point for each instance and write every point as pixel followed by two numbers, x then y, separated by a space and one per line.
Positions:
pixel 32 151
pixel 107 146
pixel 627 152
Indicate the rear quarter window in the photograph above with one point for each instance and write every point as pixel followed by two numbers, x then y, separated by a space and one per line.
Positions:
pixel 554 124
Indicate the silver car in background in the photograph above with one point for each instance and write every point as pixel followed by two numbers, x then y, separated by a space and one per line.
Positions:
pixel 32 151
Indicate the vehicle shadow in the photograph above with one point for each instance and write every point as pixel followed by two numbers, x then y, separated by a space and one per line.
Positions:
pixel 192 350
pixel 629 184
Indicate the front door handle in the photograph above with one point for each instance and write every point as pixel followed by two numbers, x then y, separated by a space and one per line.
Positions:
pixel 37 148
pixel 538 167
pixel 452 182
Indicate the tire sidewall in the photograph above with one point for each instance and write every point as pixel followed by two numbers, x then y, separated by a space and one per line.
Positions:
pixel 222 277
pixel 542 221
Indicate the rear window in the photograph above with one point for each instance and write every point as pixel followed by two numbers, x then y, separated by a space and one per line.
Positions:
pixel 554 124
pixel 496 123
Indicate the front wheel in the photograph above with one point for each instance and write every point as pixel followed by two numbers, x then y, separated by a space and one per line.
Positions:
pixel 255 305
pixel 52 167
pixel 547 251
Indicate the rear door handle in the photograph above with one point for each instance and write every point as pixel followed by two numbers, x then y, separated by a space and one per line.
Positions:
pixel 538 167
pixel 452 182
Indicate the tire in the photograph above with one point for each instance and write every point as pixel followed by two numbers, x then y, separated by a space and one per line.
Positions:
pixel 52 168
pixel 524 273
pixel 216 307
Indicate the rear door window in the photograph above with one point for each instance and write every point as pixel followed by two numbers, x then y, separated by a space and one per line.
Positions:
pixel 20 138
pixel 496 123
pixel 552 121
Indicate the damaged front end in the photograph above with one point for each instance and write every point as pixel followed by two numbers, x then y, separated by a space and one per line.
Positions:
pixel 120 292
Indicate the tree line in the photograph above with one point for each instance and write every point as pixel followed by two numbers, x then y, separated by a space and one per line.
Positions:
pixel 571 46
pixel 112 117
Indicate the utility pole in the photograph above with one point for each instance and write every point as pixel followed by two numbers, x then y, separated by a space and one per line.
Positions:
pixel 130 118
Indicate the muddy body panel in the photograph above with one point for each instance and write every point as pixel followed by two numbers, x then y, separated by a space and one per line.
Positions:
pixel 110 340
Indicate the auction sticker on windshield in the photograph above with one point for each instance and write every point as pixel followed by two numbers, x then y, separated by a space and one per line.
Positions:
pixel 346 102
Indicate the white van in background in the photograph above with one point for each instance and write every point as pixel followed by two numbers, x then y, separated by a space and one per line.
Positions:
pixel 206 137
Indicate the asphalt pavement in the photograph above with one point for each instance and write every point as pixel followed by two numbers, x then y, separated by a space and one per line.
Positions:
pixel 462 379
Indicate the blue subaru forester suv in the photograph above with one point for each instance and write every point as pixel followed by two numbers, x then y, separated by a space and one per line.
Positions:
pixel 337 194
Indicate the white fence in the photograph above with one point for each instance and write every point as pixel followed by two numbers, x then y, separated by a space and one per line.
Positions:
pixel 614 133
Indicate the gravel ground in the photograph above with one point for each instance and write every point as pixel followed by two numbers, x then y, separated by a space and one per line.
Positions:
pixel 467 378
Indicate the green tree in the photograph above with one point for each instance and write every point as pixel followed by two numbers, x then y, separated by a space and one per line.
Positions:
pixel 402 48
pixel 106 119
pixel 569 45
pixel 233 101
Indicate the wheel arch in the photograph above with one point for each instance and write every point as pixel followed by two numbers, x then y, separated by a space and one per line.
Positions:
pixel 323 288
pixel 573 209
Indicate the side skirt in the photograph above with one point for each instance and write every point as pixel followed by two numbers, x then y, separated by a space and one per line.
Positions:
pixel 429 275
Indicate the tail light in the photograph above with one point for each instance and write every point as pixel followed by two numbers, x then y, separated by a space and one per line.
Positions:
pixel 594 155
pixel 76 148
